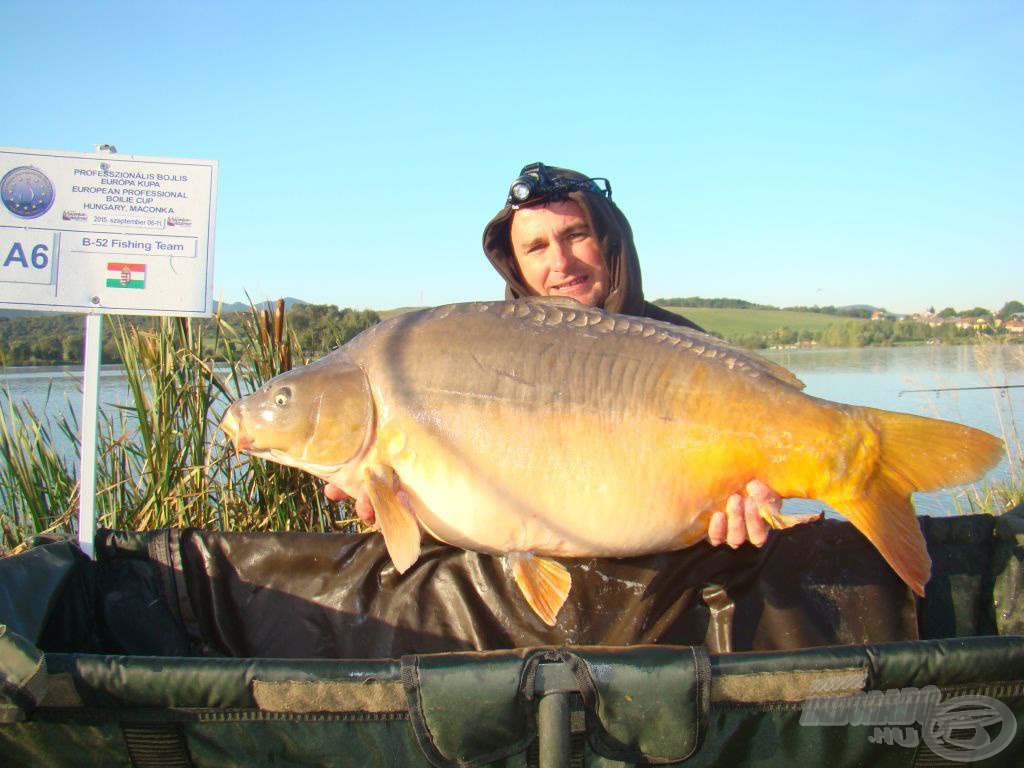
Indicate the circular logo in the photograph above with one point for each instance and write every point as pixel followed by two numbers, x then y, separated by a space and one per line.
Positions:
pixel 957 728
pixel 26 192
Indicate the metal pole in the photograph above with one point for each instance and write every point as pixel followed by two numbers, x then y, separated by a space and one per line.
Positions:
pixel 90 408
pixel 92 358
pixel 554 739
pixel 554 684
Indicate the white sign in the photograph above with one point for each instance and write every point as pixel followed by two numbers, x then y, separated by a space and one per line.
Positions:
pixel 106 233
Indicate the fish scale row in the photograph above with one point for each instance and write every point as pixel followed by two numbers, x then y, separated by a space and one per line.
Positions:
pixel 584 317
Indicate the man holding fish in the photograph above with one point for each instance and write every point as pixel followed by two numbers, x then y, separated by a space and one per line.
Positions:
pixel 560 234
pixel 562 426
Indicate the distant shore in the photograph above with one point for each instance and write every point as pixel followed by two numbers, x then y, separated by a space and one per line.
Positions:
pixel 766 328
pixel 57 339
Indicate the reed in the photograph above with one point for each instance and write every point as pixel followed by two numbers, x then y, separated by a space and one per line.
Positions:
pixel 997 496
pixel 38 492
pixel 162 461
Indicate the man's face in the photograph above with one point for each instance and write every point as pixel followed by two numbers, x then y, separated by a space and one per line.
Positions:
pixel 558 254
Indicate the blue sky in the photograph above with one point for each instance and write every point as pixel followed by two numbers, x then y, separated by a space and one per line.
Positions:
pixel 784 153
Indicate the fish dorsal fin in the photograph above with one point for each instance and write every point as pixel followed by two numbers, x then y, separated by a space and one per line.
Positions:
pixel 544 583
pixel 556 301
pixel 397 522
pixel 772 368
pixel 752 359
pixel 700 339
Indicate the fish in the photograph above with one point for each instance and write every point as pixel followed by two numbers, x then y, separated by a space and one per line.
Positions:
pixel 541 429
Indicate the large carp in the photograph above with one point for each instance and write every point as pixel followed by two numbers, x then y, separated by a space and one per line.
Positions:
pixel 543 428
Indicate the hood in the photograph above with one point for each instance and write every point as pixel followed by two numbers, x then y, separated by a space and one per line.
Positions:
pixel 612 230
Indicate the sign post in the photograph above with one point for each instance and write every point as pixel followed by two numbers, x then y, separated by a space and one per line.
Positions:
pixel 104 234
pixel 90 413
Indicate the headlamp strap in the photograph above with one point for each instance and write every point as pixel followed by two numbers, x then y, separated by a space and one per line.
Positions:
pixel 534 185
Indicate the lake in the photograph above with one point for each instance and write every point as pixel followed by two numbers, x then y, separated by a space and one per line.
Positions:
pixel 881 377
pixel 876 376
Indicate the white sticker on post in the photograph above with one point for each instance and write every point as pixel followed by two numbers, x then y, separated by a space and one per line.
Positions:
pixel 27 255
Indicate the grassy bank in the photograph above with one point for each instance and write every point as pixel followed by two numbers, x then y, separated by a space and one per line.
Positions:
pixel 162 461
pixel 734 323
pixel 759 328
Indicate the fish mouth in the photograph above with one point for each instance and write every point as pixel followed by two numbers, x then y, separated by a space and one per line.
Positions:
pixel 231 426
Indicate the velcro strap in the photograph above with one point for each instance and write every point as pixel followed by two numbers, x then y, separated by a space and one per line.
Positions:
pixel 156 745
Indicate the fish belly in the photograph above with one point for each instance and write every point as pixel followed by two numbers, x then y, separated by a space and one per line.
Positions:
pixel 533 499
pixel 585 483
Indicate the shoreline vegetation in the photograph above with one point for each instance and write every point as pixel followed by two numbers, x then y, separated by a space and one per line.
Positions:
pixel 758 326
pixel 57 339
pixel 162 461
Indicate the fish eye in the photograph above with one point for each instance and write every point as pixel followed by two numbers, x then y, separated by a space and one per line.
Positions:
pixel 283 396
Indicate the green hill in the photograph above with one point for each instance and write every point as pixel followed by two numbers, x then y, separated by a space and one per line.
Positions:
pixel 389 313
pixel 733 323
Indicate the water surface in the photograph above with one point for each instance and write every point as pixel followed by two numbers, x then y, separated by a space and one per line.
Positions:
pixel 879 377
pixel 884 377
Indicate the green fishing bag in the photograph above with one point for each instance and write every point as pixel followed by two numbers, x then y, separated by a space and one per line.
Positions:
pixel 194 648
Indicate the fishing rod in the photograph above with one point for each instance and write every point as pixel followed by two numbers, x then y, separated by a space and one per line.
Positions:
pixel 960 389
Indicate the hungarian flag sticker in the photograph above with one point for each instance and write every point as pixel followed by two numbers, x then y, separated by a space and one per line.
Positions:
pixel 123 275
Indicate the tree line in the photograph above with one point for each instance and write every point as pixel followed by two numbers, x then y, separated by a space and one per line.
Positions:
pixel 1009 309
pixel 58 338
pixel 859 333
pixel 719 303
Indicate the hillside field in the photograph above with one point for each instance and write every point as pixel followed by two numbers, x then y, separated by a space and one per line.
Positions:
pixel 742 322
pixel 386 314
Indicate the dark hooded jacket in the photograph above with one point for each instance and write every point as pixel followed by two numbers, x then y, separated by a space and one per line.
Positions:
pixel 615 236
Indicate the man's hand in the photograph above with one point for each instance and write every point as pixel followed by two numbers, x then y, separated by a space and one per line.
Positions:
pixel 364 509
pixel 742 520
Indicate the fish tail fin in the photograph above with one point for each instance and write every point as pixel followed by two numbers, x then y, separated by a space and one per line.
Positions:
pixel 887 518
pixel 916 454
pixel 927 454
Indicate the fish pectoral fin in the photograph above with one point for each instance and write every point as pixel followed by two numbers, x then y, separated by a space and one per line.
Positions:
pixel 544 583
pixel 396 521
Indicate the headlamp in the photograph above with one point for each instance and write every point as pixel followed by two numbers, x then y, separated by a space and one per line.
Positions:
pixel 536 186
pixel 522 189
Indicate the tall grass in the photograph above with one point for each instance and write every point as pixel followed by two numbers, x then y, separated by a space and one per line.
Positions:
pixel 38 490
pixel 162 461
pixel 996 497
